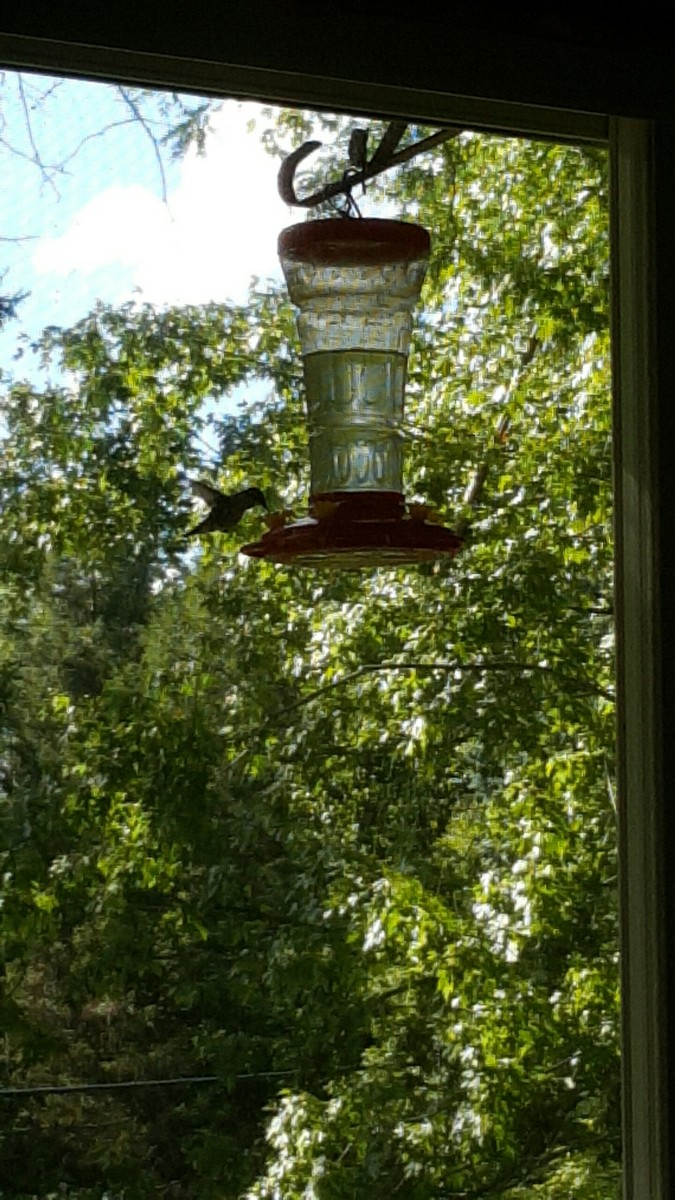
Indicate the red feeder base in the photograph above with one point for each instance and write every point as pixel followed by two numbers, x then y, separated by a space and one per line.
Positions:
pixel 357 531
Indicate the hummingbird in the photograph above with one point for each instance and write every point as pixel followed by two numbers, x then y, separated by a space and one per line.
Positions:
pixel 226 511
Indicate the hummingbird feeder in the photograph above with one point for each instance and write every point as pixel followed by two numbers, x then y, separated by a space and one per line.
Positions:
pixel 355 283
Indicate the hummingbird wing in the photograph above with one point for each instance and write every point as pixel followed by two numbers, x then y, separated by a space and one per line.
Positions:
pixel 205 491
pixel 226 511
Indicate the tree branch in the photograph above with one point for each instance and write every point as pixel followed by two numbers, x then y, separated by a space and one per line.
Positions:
pixel 97 134
pixel 29 129
pixel 481 667
pixel 582 686
pixel 133 106
pixel 474 491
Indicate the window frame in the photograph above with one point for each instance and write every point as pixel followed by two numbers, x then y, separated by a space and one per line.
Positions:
pixel 642 263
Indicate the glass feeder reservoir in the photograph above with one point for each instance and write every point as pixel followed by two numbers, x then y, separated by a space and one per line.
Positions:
pixel 355 283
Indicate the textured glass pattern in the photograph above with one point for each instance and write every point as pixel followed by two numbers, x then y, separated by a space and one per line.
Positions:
pixel 355 406
pixel 355 323
pixel 368 307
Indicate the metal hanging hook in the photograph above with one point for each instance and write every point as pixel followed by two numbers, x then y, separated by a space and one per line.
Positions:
pixel 286 177
pixel 360 170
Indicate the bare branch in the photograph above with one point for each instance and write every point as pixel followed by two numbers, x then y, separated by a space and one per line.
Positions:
pixel 97 134
pixel 133 106
pixel 42 167
pixel 29 129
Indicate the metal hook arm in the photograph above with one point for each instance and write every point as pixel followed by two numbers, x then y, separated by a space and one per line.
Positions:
pixel 384 157
pixel 390 140
pixel 286 176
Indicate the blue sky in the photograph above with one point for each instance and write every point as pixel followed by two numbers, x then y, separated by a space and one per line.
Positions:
pixel 99 229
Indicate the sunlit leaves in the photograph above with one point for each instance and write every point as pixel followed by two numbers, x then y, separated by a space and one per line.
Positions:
pixel 345 841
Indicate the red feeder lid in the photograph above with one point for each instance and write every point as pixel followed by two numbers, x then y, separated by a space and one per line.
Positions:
pixel 351 536
pixel 341 242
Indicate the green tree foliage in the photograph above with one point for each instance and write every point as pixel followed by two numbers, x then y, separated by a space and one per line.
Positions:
pixel 344 842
